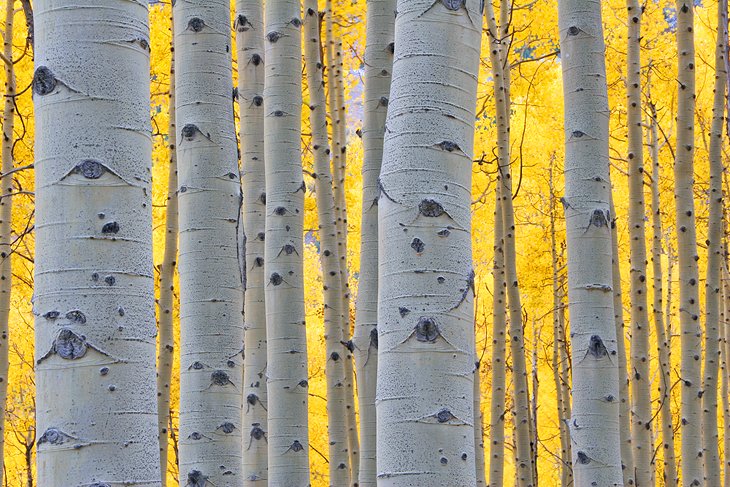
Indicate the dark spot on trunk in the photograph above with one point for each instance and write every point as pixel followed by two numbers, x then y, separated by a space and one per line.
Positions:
pixel 259 261
pixel 258 100
pixel 189 131
pixel 578 134
pixel 110 280
pixel 196 479
pixel 111 227
pixel 383 101
pixel 453 4
pixel 104 371
pixel 273 36
pixel 418 245
pixel 403 311
pixel 227 428
pixel 54 436
pixel 280 211
pixel 296 22
pixel 240 23
pixel 303 383
pixel 296 446
pixel 427 330
pixel 444 416
pixel 596 347
pixel 256 432
pixel 431 208
pixel 599 219
pixel 70 346
pixel 44 81
pixel 90 169
pixel 448 146
pixel 583 459
pixel 195 436
pixel 276 279
pixel 51 315
pixel 220 378
pixel 251 399
pixel 335 356
pixel 76 316
pixel 391 47
pixel 573 31
pixel 374 337
pixel 197 366
pixel 196 24
pixel 444 233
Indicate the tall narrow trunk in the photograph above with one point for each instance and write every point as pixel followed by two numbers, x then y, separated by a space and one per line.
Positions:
pixel 499 351
pixel 594 427
pixel 6 218
pixel 558 355
pixel 689 295
pixel 378 66
pixel 725 330
pixel 664 382
pixel 286 373
pixel 567 475
pixel 710 433
pixel 627 458
pixel 211 294
pixel 339 461
pixel 426 357
pixel 523 454
pixel 641 414
pixel 166 303
pixel 94 289
pixel 478 432
pixel 249 26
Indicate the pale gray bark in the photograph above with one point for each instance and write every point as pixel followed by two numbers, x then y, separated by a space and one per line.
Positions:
pixel 380 24
pixel 166 302
pixel 286 372
pixel 689 294
pixel 249 27
pixel 594 426
pixel 94 289
pixel 6 217
pixel 426 356
pixel 478 432
pixel 211 294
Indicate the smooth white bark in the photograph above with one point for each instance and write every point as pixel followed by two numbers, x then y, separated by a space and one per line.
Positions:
pixel 94 289
pixel 249 27
pixel 211 293
pixel 286 372
pixel 426 324
pixel 594 426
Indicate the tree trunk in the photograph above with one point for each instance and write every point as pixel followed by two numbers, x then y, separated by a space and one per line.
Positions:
pixel 594 427
pixel 211 294
pixel 689 296
pixel 249 27
pixel 6 218
pixel 664 384
pixel 166 303
pixel 641 414
pixel 378 66
pixel 710 433
pixel 288 438
pixel 94 290
pixel 339 460
pixel 499 351
pixel 725 330
pixel 478 432
pixel 426 358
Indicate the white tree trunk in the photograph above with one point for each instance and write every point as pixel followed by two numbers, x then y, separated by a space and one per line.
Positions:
pixel 166 303
pixel 339 456
pixel 211 294
pixel 94 294
pixel 478 432
pixel 594 425
pixel 6 218
pixel 378 65
pixel 249 26
pixel 641 413
pixel 715 254
pixel 426 357
pixel 664 385
pixel 286 372
pixel 689 294
pixel 499 352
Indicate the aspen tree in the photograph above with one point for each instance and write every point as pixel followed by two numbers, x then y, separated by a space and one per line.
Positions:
pixel 499 351
pixel 523 455
pixel 380 23
pixel 715 251
pixel 662 336
pixel 691 333
pixel 211 294
pixel 286 372
pixel 166 303
pixel 627 458
pixel 594 426
pixel 339 468
pixel 249 26
pixel 94 289
pixel 641 414
pixel 558 338
pixel 478 433
pixel 6 217
pixel 725 350
pixel 426 357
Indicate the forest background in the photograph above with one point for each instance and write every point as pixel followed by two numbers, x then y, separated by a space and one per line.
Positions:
pixel 537 151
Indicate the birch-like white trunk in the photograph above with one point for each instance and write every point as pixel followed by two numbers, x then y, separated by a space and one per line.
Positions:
pixel 6 218
pixel 594 426
pixel 426 324
pixel 166 302
pixel 715 254
pixel 211 294
pixel 286 372
pixel 664 381
pixel 96 408
pixel 689 294
pixel 380 24
pixel 339 454
pixel 249 26
pixel 641 413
